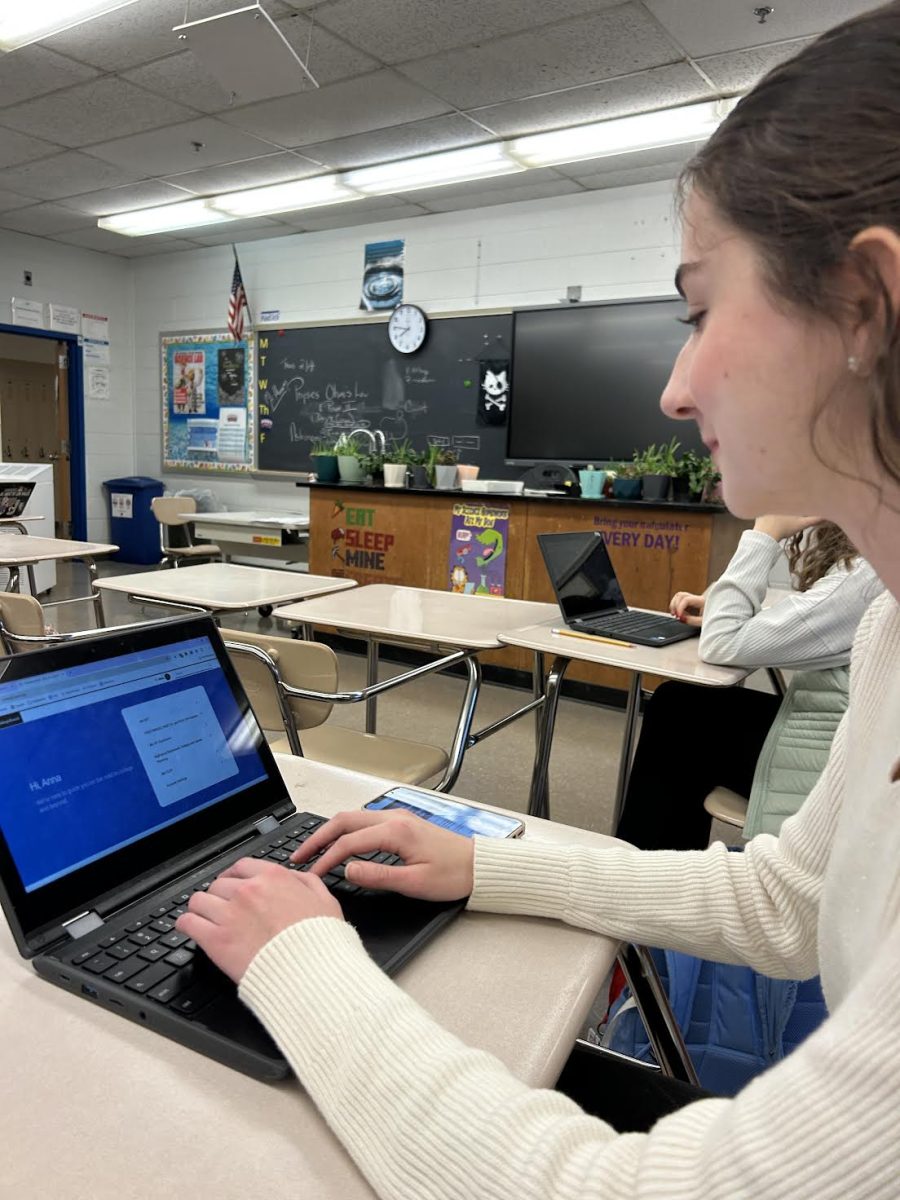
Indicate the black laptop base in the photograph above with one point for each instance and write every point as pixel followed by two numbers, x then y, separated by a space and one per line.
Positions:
pixel 138 966
pixel 642 629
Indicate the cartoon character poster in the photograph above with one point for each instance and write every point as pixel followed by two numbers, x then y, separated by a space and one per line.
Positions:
pixel 478 538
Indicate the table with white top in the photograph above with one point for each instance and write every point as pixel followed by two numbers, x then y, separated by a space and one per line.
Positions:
pixel 98 1107
pixel 221 587
pixel 679 660
pixel 270 535
pixel 19 550
pixel 436 621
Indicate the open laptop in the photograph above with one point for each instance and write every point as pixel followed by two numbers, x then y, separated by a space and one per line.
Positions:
pixel 590 597
pixel 14 497
pixel 134 772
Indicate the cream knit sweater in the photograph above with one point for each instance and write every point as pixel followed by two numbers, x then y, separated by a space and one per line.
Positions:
pixel 426 1117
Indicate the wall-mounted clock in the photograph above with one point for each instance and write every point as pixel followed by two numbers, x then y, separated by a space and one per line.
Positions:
pixel 407 328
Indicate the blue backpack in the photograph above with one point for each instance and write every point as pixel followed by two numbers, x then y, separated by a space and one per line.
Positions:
pixel 735 1021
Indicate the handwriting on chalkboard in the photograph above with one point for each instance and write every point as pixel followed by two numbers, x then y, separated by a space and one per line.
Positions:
pixel 418 375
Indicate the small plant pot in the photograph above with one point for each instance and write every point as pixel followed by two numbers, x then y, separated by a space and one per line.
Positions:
pixel 627 489
pixel 592 483
pixel 350 468
pixel 681 490
pixel 420 478
pixel 656 487
pixel 445 478
pixel 395 475
pixel 465 471
pixel 326 466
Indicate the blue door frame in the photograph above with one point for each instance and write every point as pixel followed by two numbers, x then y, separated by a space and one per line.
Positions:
pixel 76 422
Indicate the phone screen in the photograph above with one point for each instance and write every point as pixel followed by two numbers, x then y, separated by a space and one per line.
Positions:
pixel 449 814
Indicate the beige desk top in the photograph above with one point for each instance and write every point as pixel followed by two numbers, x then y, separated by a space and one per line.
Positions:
pixel 18 549
pixel 421 615
pixel 224 587
pixel 19 520
pixel 97 1107
pixel 677 661
pixel 285 520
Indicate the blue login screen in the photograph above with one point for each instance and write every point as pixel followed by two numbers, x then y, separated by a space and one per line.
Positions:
pixel 97 756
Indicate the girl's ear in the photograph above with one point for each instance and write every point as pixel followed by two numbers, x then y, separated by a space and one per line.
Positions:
pixel 876 253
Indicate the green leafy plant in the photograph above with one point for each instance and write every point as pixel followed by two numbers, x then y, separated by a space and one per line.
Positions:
pixel 322 447
pixel 372 464
pixel 702 475
pixel 628 470
pixel 349 447
pixel 403 453
pixel 657 460
pixel 446 457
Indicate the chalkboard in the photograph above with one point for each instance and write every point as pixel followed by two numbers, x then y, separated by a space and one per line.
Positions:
pixel 315 383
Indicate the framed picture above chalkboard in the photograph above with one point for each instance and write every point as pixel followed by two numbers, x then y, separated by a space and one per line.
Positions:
pixel 208 390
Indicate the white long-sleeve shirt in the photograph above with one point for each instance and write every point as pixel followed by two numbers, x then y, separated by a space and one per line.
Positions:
pixel 426 1118
pixel 808 630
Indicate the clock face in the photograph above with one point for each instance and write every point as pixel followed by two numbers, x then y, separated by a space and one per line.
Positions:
pixel 407 328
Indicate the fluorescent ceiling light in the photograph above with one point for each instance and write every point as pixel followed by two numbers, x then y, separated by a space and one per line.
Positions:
pixel 162 218
pixel 284 197
pixel 26 22
pixel 432 170
pixel 669 127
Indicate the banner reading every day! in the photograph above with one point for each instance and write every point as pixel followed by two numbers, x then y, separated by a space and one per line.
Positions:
pixel 478 537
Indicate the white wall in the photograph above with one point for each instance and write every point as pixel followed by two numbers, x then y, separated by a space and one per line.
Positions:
pixel 96 283
pixel 615 244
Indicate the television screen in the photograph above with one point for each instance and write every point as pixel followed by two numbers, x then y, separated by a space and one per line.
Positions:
pixel 587 379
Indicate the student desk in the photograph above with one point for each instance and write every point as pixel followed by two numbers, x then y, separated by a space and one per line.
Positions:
pixel 97 1107
pixel 281 536
pixel 221 587
pixel 17 524
pixel 23 550
pixel 680 660
pixel 420 617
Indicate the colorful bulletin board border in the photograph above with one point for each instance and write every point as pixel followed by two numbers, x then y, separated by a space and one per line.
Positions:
pixel 207 402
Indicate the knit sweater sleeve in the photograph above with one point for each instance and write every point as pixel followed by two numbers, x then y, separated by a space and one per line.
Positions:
pixel 802 630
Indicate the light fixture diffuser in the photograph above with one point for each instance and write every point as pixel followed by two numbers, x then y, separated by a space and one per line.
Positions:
pixel 27 22
pixel 163 218
pixel 433 170
pixel 284 197
pixel 601 139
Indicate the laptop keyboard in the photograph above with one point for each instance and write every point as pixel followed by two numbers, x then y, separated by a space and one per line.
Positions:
pixel 149 957
pixel 628 622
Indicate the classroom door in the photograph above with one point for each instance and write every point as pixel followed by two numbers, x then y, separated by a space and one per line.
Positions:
pixel 34 420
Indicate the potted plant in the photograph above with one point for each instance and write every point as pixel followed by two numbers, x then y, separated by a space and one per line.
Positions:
pixel 325 462
pixel 703 478
pixel 431 457
pixel 421 470
pixel 349 455
pixel 397 462
pixel 372 465
pixel 627 482
pixel 445 470
pixel 657 469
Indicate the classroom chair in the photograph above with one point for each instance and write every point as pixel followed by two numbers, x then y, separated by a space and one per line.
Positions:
pixel 724 805
pixel 292 687
pixel 177 512
pixel 21 616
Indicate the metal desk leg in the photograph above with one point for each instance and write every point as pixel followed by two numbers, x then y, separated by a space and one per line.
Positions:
pixel 539 796
pixel 371 678
pixel 12 584
pixel 537 692
pixel 463 726
pixel 632 709
pixel 656 1013
pixel 96 594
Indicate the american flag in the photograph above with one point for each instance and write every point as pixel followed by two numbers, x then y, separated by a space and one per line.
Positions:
pixel 237 302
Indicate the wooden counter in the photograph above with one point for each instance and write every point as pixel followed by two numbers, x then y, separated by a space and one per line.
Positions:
pixel 383 535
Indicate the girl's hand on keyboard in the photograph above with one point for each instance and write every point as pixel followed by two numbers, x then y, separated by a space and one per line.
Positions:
pixel 247 906
pixel 687 607
pixel 437 864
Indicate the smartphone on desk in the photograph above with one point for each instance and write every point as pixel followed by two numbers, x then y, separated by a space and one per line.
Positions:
pixel 455 815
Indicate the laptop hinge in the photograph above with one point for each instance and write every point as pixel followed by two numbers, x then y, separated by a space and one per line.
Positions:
pixel 267 824
pixel 84 923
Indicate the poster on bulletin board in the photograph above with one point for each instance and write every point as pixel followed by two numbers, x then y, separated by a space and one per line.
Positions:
pixel 207 398
pixel 477 560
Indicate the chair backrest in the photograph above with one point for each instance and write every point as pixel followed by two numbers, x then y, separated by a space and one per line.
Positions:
pixel 174 510
pixel 300 664
pixel 19 614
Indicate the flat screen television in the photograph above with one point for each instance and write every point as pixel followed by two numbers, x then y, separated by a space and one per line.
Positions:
pixel 587 379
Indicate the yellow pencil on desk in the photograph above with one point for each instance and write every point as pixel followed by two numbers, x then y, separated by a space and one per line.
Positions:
pixel 593 637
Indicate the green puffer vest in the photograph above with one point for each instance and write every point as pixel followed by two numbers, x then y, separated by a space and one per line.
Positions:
pixel 796 748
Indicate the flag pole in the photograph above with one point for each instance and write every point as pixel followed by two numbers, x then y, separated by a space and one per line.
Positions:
pixel 246 297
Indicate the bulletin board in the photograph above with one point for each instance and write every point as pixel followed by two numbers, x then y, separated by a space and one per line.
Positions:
pixel 208 390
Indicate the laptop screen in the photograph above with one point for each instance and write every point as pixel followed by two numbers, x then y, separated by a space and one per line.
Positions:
pixel 112 753
pixel 581 573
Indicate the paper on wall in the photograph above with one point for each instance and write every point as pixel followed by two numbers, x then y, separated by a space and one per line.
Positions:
pixel 97 383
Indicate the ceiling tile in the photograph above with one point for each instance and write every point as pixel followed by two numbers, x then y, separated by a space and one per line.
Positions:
pixel 10 200
pixel 338 110
pixel 710 26
pixel 146 194
pixel 66 174
pixel 397 30
pixel 329 58
pixel 400 141
pixel 171 150
pixel 126 247
pixel 32 71
pixel 182 75
pixel 584 50
pixel 538 175
pixel 249 172
pixel 302 218
pixel 44 219
pixel 662 87
pixel 670 157
pixel 379 216
pixel 507 195
pixel 93 112
pixel 739 70
pixel 631 175
pixel 17 148
pixel 240 231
